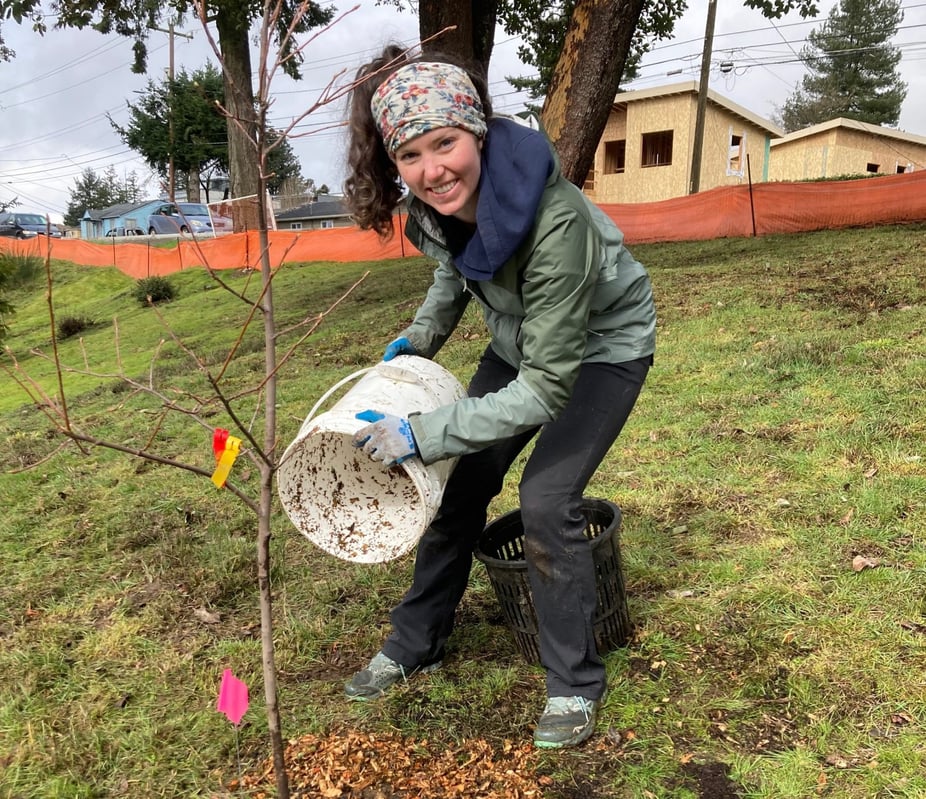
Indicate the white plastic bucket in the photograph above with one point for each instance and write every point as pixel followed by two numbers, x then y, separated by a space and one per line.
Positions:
pixel 337 496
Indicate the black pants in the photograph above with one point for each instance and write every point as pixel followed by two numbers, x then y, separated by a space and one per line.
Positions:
pixel 558 555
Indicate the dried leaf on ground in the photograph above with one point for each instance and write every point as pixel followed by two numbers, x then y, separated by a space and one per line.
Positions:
pixel 860 562
pixel 207 616
pixel 348 764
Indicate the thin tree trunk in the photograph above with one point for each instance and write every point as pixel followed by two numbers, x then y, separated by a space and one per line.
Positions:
pixel 268 659
pixel 265 509
pixel 267 472
pixel 586 80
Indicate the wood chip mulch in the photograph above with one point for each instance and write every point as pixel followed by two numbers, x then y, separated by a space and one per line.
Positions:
pixel 358 765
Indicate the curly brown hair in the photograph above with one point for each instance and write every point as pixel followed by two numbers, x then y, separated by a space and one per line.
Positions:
pixel 373 188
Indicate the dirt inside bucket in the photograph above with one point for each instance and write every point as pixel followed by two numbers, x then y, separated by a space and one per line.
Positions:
pixel 352 507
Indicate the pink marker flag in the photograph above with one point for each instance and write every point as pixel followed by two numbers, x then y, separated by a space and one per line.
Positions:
pixel 233 697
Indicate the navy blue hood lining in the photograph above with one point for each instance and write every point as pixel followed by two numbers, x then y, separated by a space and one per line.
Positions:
pixel 516 162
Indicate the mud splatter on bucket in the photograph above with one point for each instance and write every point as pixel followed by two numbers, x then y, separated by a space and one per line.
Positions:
pixel 344 502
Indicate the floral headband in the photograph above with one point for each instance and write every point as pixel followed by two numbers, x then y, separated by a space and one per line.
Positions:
pixel 421 97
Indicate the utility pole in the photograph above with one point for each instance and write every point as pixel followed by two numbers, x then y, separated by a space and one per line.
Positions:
pixel 171 33
pixel 698 146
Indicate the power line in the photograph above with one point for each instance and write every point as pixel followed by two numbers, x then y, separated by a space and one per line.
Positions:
pixel 32 81
pixel 764 54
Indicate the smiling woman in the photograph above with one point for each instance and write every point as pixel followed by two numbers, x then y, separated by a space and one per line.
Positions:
pixel 572 325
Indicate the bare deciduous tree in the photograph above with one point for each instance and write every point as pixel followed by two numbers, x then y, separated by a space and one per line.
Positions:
pixel 252 411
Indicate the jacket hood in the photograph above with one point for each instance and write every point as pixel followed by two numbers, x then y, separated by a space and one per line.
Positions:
pixel 516 162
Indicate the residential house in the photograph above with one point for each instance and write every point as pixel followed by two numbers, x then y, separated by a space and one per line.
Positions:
pixel 845 147
pixel 645 153
pixel 325 212
pixel 119 218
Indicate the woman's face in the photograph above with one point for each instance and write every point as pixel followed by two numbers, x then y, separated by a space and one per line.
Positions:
pixel 442 168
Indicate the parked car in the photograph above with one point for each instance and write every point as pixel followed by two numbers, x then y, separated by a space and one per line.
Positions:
pixel 192 218
pixel 125 231
pixel 26 226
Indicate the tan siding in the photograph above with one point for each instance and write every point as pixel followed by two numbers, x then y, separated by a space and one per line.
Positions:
pixel 836 152
pixel 832 152
pixel 644 184
pixel 716 159
pixel 677 113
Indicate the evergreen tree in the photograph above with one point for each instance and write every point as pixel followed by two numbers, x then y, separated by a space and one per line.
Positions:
pixel 283 166
pixel 96 192
pixel 191 106
pixel 180 117
pixel 853 68
pixel 90 191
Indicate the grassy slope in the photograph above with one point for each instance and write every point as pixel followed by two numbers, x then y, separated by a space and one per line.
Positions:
pixel 780 436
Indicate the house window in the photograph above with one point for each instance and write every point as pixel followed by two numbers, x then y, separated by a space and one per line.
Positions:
pixel 873 168
pixel 614 153
pixel 326 224
pixel 736 154
pixel 589 184
pixel 657 148
pixel 295 225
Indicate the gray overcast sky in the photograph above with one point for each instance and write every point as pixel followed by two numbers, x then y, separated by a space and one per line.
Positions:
pixel 56 94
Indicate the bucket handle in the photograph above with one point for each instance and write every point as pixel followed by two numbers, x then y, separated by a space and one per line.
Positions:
pixel 343 381
pixel 389 370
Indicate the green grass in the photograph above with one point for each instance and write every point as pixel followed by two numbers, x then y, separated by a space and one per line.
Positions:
pixel 780 435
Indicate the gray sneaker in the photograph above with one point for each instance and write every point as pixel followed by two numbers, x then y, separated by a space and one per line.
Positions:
pixel 382 673
pixel 566 721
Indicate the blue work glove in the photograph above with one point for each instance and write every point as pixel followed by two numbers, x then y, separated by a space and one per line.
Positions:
pixel 387 438
pixel 401 346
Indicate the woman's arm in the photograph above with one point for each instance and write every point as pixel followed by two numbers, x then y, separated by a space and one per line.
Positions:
pixel 439 313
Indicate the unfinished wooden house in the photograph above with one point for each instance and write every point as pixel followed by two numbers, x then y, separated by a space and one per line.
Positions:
pixel 645 153
pixel 843 147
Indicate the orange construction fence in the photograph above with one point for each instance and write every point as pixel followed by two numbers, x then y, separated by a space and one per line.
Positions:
pixel 732 211
pixel 766 208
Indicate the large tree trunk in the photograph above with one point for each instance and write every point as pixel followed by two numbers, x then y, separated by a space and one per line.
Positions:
pixel 243 168
pixel 193 186
pixel 586 79
pixel 475 28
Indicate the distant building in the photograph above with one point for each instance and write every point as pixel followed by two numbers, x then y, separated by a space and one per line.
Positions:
pixel 325 212
pixel 845 147
pixel 120 218
pixel 646 149
pixel 645 152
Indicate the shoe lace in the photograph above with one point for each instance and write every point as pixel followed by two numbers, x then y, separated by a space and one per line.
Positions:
pixel 384 667
pixel 563 705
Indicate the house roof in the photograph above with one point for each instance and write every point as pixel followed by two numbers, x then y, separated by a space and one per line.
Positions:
pixel 320 209
pixel 692 87
pixel 852 124
pixel 115 211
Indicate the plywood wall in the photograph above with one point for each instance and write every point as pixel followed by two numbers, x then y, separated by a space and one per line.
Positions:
pixel 676 113
pixel 840 151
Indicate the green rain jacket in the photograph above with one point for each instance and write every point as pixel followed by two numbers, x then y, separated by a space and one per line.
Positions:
pixel 569 293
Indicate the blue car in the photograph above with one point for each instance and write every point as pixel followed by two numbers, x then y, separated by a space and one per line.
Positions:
pixel 187 218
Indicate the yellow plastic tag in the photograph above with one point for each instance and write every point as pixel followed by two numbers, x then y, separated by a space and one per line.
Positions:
pixel 226 461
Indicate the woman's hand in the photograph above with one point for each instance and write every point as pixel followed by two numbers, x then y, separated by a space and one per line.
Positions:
pixel 401 346
pixel 387 438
